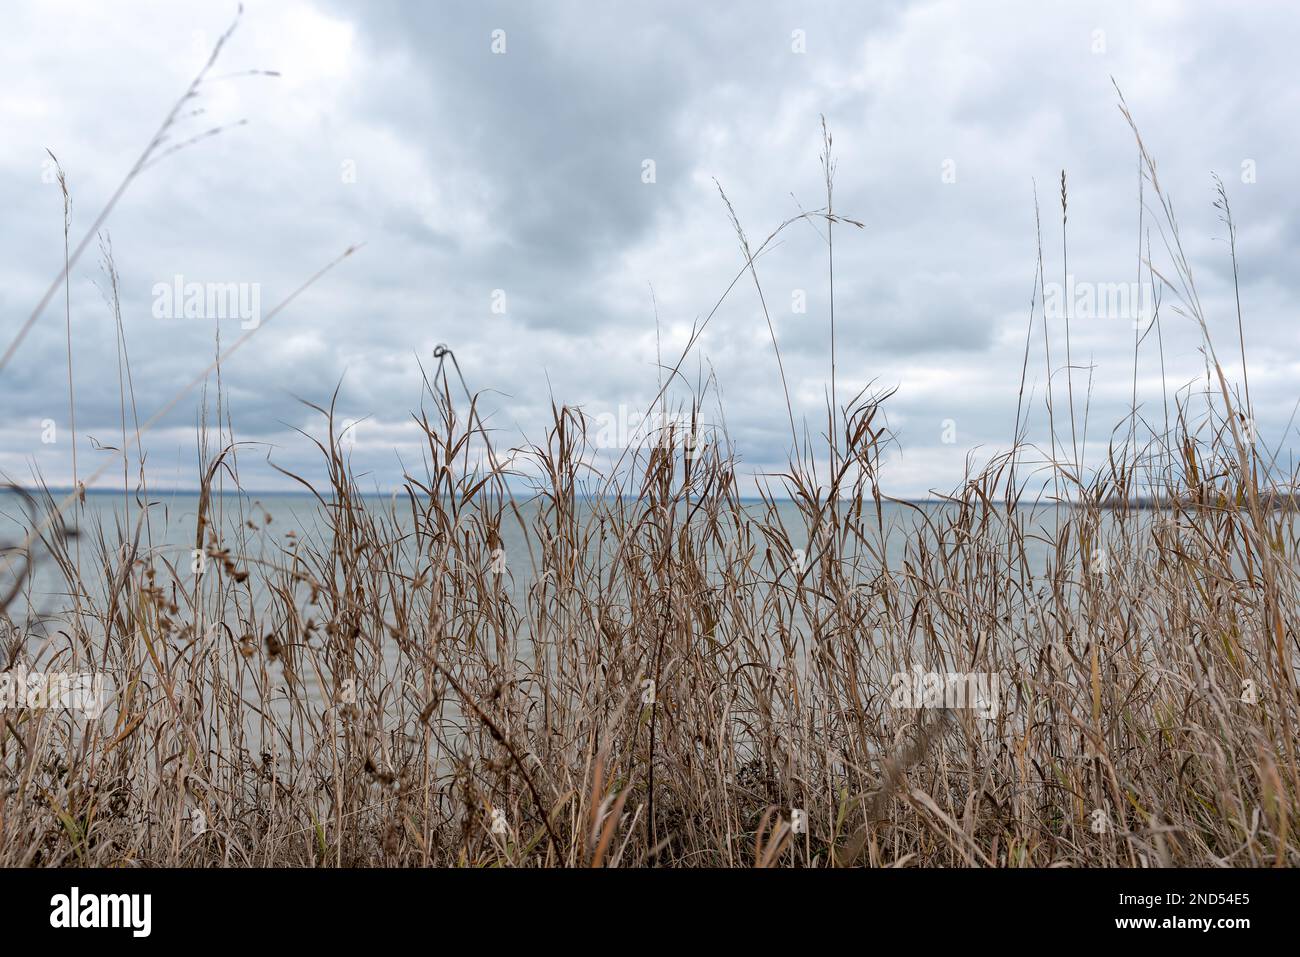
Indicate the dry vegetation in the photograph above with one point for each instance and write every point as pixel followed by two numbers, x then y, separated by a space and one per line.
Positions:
pixel 371 695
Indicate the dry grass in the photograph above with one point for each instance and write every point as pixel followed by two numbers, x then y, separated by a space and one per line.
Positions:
pixel 771 683
pixel 372 694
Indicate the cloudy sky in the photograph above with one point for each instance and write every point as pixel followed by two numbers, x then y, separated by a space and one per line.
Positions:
pixel 533 182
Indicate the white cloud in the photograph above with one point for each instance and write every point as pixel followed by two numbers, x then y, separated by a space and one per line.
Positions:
pixel 476 172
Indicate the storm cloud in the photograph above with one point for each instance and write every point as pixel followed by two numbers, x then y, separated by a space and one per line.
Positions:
pixel 537 186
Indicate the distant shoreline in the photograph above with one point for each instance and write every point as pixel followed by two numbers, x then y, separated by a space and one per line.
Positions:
pixel 1290 503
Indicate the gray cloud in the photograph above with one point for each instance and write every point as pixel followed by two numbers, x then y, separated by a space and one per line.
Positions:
pixel 522 172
